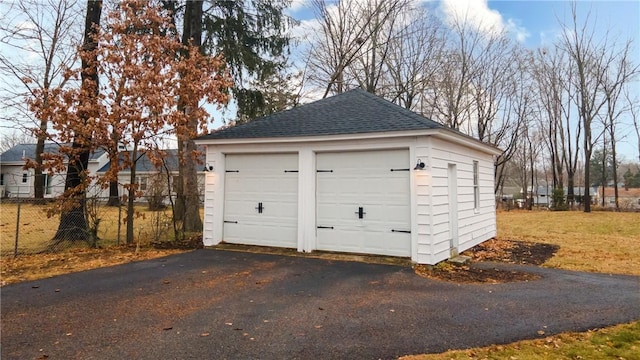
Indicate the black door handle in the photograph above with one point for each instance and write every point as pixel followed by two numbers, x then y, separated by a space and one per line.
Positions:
pixel 260 208
pixel 360 212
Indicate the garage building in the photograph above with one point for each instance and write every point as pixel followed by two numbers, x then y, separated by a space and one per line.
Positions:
pixel 350 173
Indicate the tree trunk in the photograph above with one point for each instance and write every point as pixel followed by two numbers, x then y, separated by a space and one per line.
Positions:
pixel 132 194
pixel 38 179
pixel 73 222
pixel 586 199
pixel 614 159
pixel 188 198
pixel 114 197
pixel 570 194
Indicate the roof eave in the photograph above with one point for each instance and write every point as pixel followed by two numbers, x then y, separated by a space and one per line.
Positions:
pixel 460 138
pixel 443 133
pixel 316 138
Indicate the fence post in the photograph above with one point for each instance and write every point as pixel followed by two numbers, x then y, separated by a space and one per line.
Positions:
pixel 119 221
pixel 15 249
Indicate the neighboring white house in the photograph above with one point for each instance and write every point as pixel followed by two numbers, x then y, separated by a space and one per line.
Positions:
pixel 152 181
pixel 15 181
pixel 627 198
pixel 18 182
pixel 350 173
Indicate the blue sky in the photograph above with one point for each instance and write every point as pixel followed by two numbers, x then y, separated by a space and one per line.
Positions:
pixel 539 19
pixel 536 24
pixel 533 23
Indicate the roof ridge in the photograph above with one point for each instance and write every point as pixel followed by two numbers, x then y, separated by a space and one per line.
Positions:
pixel 352 112
pixel 390 104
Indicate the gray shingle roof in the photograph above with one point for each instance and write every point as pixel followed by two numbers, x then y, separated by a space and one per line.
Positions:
pixel 20 151
pixel 352 112
pixel 144 164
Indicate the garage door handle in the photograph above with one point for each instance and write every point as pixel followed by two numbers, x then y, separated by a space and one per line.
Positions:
pixel 360 212
pixel 325 227
pixel 401 231
pixel 260 208
pixel 230 222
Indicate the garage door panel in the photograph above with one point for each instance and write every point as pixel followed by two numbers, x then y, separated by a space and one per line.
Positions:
pixel 254 179
pixel 364 179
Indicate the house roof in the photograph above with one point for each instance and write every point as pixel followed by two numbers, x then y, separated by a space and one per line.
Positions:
pixel 144 163
pixel 21 151
pixel 353 112
pixel 622 192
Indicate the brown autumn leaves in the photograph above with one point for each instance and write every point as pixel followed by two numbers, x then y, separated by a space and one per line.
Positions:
pixel 151 88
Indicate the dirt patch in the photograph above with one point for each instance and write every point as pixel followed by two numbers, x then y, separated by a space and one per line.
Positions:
pixel 512 252
pixel 471 274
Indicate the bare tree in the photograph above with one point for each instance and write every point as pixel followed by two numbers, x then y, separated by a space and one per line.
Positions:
pixel 413 59
pixel 634 112
pixel 450 92
pixel 369 70
pixel 516 114
pixel 592 60
pixel 7 141
pixel 549 76
pixel 347 29
pixel 616 78
pixel 42 37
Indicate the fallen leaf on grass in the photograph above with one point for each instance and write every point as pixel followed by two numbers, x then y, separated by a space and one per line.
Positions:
pixel 167 328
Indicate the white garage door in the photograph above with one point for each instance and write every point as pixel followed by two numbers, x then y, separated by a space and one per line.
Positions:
pixel 261 200
pixel 363 202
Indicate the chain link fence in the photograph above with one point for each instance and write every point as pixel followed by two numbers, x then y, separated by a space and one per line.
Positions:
pixel 28 226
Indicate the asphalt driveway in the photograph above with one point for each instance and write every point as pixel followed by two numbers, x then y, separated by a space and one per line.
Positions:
pixel 211 304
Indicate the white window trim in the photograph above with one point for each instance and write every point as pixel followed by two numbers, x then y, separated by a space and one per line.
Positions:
pixel 476 187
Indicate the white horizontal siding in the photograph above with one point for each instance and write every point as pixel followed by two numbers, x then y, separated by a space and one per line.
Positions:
pixel 430 200
pixel 474 225
pixel 424 200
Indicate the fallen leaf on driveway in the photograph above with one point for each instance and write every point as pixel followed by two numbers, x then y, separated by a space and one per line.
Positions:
pixel 167 328
pixel 205 334
pixel 318 326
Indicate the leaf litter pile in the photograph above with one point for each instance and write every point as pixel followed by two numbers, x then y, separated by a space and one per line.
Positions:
pixel 39 266
pixel 505 251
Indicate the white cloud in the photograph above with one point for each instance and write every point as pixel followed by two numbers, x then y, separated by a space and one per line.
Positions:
pixel 297 5
pixel 305 29
pixel 520 32
pixel 477 14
